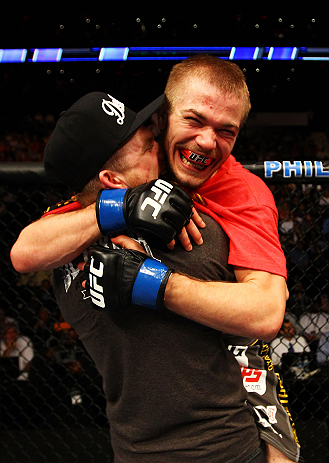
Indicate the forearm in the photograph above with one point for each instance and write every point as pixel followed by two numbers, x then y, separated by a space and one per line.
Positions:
pixel 275 456
pixel 55 240
pixel 244 309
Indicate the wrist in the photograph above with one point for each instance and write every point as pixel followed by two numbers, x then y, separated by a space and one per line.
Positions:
pixel 109 211
pixel 150 284
pixel 91 223
pixel 173 293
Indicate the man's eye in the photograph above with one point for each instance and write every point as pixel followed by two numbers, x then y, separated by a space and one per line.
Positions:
pixel 228 133
pixel 193 119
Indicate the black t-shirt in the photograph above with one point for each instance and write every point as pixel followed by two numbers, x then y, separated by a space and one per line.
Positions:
pixel 174 392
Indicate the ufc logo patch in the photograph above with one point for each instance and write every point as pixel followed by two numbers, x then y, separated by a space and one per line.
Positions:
pixel 161 189
pixel 95 289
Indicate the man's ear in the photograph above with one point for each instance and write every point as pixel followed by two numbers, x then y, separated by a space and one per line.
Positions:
pixel 111 179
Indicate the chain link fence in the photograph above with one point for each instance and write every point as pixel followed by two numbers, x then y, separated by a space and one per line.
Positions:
pixel 52 403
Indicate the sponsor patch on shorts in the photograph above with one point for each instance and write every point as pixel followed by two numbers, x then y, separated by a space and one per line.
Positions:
pixel 254 380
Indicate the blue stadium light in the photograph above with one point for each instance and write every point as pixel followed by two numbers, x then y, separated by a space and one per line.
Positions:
pixel 80 54
pixel 87 58
pixel 294 53
pixel 157 58
pixel 113 54
pixel 173 53
pixel 13 55
pixel 282 53
pixel 47 55
pixel 173 49
pixel 244 53
pixel 162 54
pixel 316 50
pixel 315 58
pixel 315 54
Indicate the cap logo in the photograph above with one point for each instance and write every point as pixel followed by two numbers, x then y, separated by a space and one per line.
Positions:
pixel 115 108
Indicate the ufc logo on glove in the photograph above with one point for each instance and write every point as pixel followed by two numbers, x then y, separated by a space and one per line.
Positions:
pixel 96 290
pixel 119 279
pixel 159 208
pixel 161 188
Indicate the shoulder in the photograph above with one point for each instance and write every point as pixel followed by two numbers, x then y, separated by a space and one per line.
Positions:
pixel 252 185
pixel 234 185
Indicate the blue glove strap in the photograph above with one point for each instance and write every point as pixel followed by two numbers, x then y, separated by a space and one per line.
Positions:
pixel 147 283
pixel 109 211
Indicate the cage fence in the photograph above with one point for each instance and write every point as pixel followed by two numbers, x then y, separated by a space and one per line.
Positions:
pixel 52 402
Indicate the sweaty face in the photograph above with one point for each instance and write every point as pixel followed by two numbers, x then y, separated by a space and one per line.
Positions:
pixel 140 155
pixel 201 132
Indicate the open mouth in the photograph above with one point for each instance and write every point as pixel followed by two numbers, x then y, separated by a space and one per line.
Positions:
pixel 195 160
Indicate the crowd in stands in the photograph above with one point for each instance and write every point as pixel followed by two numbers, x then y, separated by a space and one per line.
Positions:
pixel 28 141
pixel 48 379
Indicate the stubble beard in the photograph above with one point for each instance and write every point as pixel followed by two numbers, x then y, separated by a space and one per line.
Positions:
pixel 169 174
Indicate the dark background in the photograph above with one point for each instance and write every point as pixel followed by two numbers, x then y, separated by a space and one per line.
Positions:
pixel 274 85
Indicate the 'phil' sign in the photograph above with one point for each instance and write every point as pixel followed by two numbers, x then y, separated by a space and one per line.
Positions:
pixel 296 169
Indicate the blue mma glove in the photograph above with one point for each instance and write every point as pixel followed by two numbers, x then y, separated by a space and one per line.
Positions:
pixel 159 208
pixel 121 278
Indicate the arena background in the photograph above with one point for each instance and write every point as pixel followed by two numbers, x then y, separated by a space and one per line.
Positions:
pixel 58 414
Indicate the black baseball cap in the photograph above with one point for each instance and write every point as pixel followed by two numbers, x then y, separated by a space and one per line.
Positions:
pixel 88 134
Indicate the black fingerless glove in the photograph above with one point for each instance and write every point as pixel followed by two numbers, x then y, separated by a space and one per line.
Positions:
pixel 121 278
pixel 158 207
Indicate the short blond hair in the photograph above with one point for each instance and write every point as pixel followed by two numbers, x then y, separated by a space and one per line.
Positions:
pixel 224 75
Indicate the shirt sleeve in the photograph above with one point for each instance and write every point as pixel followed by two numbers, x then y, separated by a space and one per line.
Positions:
pixel 253 234
pixel 63 206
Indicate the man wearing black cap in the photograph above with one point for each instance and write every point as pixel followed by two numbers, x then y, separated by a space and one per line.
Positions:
pixel 167 398
pixel 97 116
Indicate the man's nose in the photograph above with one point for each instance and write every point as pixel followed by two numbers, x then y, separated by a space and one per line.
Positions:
pixel 206 139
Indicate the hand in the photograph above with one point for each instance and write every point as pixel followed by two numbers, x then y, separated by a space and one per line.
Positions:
pixel 119 279
pixel 127 243
pixel 159 207
pixel 120 240
pixel 191 230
